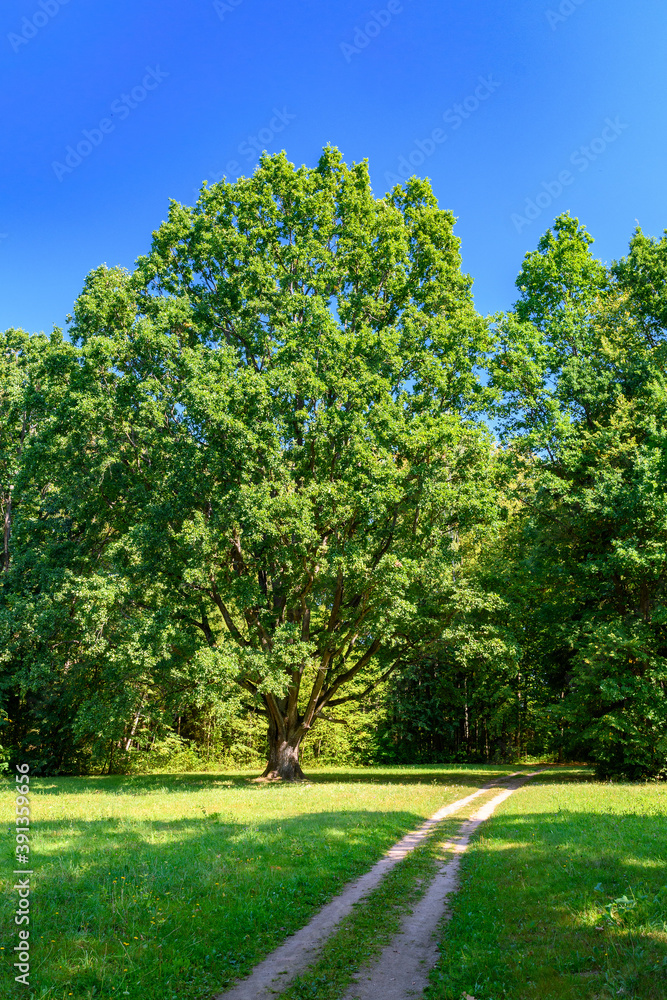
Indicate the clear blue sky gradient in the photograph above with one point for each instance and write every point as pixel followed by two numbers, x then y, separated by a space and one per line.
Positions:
pixel 232 78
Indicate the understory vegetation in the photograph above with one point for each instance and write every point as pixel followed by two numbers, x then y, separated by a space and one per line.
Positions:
pixel 280 496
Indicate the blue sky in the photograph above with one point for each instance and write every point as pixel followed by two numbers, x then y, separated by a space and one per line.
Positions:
pixel 517 111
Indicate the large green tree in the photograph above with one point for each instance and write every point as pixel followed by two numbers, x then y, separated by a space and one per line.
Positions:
pixel 86 649
pixel 581 368
pixel 272 420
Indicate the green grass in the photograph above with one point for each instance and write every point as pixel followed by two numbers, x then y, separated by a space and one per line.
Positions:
pixel 536 917
pixel 168 887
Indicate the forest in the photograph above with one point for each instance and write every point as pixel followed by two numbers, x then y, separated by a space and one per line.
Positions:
pixel 280 495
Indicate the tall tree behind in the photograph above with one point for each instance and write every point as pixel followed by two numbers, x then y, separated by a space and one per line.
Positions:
pixel 20 408
pixel 283 444
pixel 581 366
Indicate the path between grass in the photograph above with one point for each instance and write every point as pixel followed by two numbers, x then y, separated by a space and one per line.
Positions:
pixel 274 974
pixel 563 896
pixel 402 969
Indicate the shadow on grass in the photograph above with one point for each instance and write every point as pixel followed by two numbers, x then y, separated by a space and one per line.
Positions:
pixel 162 908
pixel 558 774
pixel 538 914
pixel 427 774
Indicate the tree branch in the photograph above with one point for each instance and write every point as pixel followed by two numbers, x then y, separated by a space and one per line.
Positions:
pixel 229 621
pixel 358 697
pixel 349 674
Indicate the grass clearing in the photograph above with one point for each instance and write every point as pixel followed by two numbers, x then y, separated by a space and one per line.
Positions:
pixel 167 887
pixel 563 897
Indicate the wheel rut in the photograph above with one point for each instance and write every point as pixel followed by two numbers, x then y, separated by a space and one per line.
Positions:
pixel 402 969
pixel 414 946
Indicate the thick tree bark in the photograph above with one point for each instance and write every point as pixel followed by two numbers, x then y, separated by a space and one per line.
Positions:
pixel 283 754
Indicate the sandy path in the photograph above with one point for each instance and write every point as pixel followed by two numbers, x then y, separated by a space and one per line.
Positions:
pixel 277 970
pixel 402 969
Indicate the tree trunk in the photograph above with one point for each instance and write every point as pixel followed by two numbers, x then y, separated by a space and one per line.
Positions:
pixel 283 755
pixel 7 529
pixel 136 723
pixel 467 721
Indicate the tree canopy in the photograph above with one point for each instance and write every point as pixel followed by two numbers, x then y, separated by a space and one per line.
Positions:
pixel 284 467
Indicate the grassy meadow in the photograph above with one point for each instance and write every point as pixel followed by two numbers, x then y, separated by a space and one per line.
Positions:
pixel 564 897
pixel 167 887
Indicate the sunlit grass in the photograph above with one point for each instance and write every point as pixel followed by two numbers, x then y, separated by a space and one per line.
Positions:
pixel 168 887
pixel 536 917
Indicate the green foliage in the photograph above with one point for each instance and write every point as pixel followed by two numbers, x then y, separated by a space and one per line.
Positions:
pixel 4 753
pixel 464 702
pixel 582 392
pixel 258 460
pixel 256 489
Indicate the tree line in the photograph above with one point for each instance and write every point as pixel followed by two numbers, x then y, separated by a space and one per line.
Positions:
pixel 281 486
